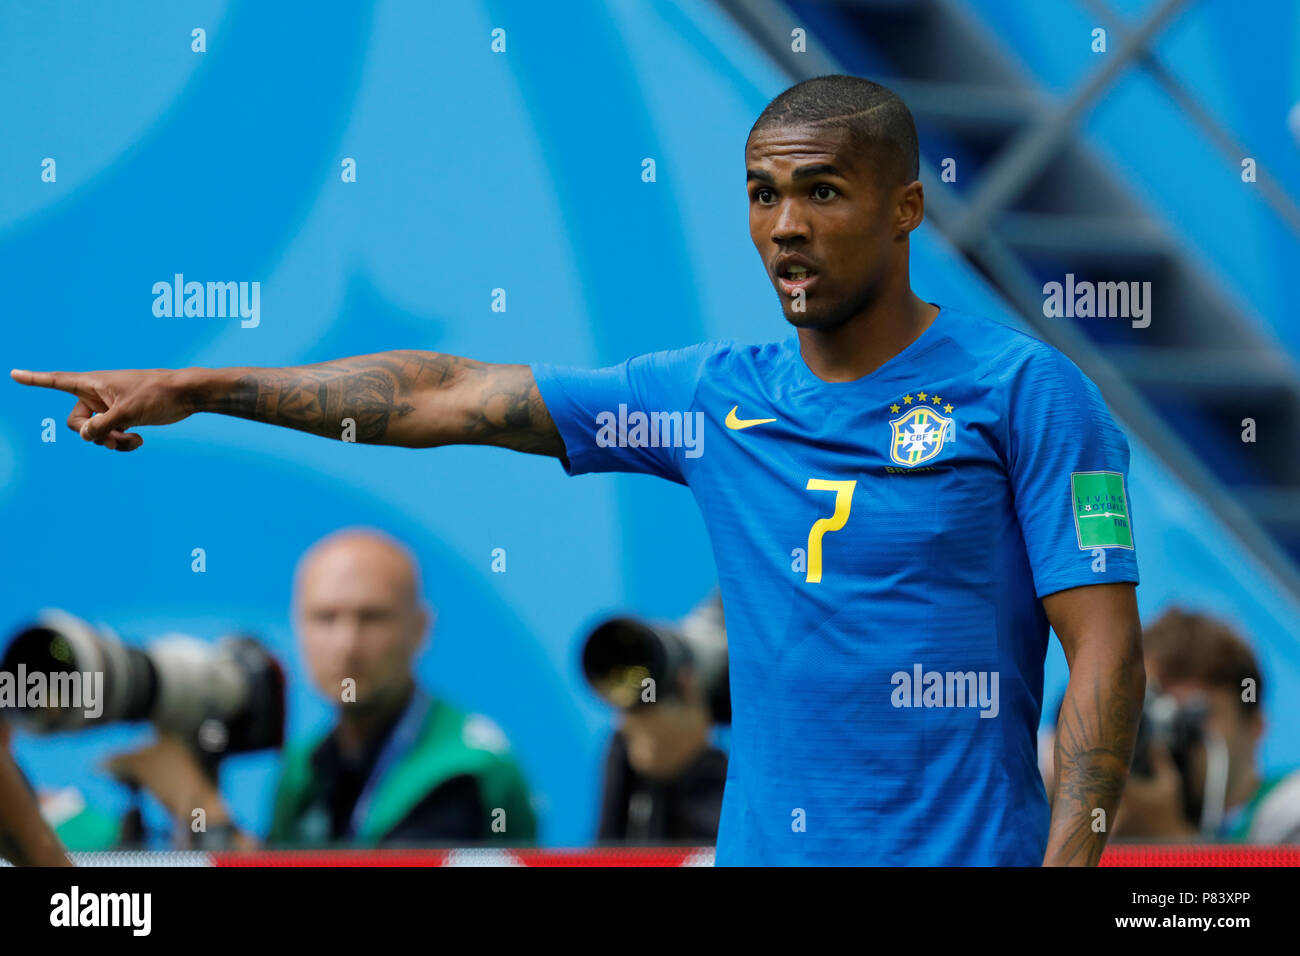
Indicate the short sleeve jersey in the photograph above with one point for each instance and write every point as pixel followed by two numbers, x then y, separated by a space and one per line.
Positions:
pixel 882 546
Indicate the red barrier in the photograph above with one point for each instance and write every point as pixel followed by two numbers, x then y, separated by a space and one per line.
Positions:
pixel 1122 855
pixel 634 856
pixel 1204 855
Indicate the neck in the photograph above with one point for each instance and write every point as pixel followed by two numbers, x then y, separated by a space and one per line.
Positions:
pixel 358 728
pixel 868 340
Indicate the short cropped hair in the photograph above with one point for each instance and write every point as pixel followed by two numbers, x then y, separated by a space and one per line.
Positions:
pixel 878 122
pixel 1185 646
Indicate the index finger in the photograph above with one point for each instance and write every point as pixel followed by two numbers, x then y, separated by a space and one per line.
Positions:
pixel 64 381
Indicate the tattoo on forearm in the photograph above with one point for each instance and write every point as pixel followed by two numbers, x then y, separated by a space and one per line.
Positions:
pixel 500 403
pixel 1095 735
pixel 510 413
pixel 317 398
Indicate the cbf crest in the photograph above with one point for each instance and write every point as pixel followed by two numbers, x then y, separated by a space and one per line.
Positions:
pixel 919 433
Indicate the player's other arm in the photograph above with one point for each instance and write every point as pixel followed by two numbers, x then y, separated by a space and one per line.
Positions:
pixel 409 398
pixel 1102 637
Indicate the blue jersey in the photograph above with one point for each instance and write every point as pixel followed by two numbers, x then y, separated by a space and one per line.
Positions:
pixel 882 547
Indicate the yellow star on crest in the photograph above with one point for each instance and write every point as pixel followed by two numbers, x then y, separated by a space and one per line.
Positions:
pixel 894 408
pixel 948 409
pixel 907 399
pixel 921 395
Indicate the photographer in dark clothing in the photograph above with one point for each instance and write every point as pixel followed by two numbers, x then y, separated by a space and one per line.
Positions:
pixel 399 766
pixel 453 812
pixel 663 779
pixel 1211 681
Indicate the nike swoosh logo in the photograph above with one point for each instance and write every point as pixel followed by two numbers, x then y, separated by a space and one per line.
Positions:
pixel 735 423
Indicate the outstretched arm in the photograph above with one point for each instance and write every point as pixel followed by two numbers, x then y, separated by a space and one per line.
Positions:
pixel 409 398
pixel 1102 637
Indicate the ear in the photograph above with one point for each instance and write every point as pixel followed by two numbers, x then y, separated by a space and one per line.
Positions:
pixel 909 207
pixel 425 618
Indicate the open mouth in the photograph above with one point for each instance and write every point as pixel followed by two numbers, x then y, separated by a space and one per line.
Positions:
pixel 793 278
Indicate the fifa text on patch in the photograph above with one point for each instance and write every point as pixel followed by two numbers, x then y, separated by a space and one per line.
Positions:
pixel 1100 510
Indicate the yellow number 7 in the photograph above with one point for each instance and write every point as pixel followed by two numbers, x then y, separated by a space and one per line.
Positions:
pixel 843 501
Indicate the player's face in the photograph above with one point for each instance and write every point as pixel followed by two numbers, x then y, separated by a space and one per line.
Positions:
pixel 822 221
pixel 358 622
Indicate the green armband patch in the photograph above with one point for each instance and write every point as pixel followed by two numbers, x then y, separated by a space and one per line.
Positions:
pixel 1100 510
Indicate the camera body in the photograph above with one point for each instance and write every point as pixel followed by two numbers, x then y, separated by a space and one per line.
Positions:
pixel 221 698
pixel 1180 727
pixel 623 654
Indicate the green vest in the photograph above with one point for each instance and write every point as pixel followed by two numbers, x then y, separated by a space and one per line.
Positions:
pixel 1239 829
pixel 89 829
pixel 448 744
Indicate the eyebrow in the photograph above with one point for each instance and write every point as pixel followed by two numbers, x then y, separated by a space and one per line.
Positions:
pixel 802 172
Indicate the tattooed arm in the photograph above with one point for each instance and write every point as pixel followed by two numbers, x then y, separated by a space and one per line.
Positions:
pixel 1102 637
pixel 415 399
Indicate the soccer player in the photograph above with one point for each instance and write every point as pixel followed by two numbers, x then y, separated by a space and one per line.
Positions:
pixel 901 498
